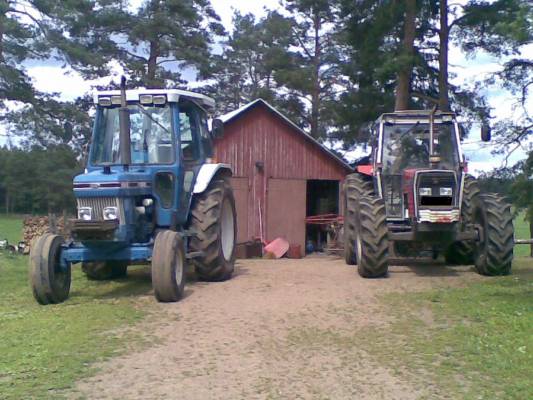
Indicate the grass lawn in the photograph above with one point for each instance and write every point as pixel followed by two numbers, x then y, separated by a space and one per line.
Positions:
pixel 45 349
pixel 476 342
pixel 10 228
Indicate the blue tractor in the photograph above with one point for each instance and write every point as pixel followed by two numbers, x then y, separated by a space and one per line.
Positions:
pixel 151 193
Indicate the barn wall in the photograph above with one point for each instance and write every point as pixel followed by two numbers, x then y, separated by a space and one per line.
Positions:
pixel 259 135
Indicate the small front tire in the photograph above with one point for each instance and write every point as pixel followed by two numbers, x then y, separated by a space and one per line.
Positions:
pixel 168 267
pixel 50 282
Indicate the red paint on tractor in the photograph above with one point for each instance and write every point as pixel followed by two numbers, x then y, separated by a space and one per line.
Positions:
pixel 408 189
pixel 365 169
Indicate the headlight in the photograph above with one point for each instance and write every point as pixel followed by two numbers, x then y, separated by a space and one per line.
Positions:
pixel 110 213
pixel 85 213
pixel 446 191
pixel 148 202
pixel 424 191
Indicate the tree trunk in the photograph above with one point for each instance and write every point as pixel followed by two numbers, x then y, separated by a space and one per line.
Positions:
pixel 444 36
pixel 150 79
pixel 403 88
pixel 315 93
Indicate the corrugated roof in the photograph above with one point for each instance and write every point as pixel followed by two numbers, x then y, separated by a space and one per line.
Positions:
pixel 226 118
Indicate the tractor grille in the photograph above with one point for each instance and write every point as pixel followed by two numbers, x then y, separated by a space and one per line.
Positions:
pixel 435 180
pixel 98 204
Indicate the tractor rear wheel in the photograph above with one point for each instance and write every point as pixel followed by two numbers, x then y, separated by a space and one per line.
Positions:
pixel 50 282
pixel 462 253
pixel 354 187
pixel 371 242
pixel 104 270
pixel 213 221
pixel 168 267
pixel 494 250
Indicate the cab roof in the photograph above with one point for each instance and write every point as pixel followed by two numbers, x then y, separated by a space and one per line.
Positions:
pixel 173 96
pixel 413 116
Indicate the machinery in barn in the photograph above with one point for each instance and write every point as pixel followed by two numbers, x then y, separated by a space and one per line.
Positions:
pixel 150 194
pixel 416 196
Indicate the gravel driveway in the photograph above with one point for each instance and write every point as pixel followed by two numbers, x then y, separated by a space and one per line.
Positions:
pixel 253 337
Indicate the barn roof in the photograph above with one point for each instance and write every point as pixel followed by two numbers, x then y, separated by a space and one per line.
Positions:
pixel 226 118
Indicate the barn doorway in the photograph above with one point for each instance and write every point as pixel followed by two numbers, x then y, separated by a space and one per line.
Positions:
pixel 322 198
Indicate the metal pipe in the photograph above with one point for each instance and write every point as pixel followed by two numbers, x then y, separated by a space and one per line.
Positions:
pixel 124 121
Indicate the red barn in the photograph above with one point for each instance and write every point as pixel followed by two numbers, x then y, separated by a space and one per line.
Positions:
pixel 280 174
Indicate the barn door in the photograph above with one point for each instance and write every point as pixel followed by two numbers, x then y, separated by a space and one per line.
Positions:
pixel 240 192
pixel 286 207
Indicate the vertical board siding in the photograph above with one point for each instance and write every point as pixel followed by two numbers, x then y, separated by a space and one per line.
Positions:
pixel 259 135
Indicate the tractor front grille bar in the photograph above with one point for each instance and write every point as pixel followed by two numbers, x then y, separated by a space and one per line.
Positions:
pixel 98 204
pixel 439 216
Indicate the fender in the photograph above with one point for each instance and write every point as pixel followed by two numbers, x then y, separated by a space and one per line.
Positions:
pixel 206 174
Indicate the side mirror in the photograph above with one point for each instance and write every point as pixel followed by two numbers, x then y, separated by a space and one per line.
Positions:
pixel 485 133
pixel 217 128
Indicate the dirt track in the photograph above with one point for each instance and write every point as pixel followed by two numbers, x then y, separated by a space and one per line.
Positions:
pixel 252 337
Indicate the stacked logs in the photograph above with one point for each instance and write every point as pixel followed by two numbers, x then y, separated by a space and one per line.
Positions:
pixel 35 226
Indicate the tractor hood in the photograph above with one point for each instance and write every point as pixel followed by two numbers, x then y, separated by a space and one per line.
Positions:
pixel 114 182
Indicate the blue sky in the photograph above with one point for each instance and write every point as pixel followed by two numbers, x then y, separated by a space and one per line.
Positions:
pixel 51 77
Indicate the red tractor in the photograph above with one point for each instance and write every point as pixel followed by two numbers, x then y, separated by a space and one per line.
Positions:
pixel 415 195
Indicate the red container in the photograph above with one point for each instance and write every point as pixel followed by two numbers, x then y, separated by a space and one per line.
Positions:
pixel 295 251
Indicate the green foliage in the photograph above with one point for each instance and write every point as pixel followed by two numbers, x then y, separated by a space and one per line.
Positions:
pixel 177 33
pixel 37 181
pixel 46 349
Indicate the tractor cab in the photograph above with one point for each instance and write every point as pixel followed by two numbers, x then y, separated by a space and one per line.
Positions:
pixel 144 180
pixel 419 165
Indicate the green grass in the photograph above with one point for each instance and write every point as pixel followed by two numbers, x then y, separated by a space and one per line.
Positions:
pixel 45 349
pixel 475 342
pixel 11 228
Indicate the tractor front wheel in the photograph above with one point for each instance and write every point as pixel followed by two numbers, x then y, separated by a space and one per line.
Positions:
pixel 371 242
pixel 104 270
pixel 168 267
pixel 50 281
pixel 355 186
pixel 494 250
pixel 462 253
pixel 213 221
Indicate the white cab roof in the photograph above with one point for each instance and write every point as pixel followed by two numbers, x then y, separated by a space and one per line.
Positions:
pixel 173 95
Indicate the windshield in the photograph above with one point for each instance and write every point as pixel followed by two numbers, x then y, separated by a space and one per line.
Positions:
pixel 151 135
pixel 407 146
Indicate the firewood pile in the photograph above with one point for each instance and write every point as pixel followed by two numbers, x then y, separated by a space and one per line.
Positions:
pixel 35 226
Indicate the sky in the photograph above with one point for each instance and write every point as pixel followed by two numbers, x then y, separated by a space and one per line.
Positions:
pixel 51 77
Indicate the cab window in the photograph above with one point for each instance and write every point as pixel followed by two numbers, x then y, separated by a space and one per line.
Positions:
pixel 205 135
pixel 188 134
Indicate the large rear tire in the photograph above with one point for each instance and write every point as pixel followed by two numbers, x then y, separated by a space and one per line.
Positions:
pixel 463 253
pixel 355 186
pixel 372 245
pixel 104 270
pixel 50 282
pixel 213 221
pixel 494 250
pixel 168 267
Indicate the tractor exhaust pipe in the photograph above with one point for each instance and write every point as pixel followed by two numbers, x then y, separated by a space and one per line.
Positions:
pixel 124 121
pixel 434 159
